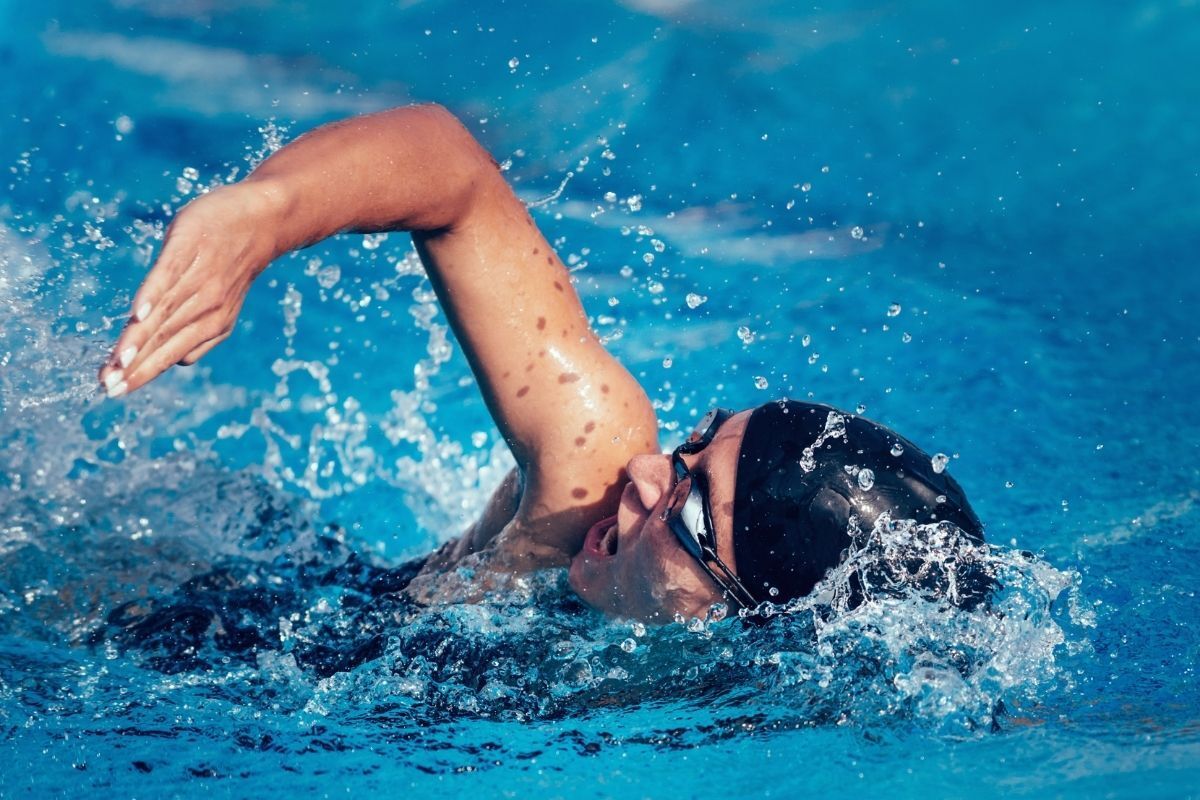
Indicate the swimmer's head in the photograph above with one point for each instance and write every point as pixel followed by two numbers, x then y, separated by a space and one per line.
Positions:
pixel 783 483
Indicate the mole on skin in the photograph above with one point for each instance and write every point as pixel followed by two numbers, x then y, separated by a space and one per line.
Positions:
pixel 524 390
pixel 579 493
pixel 568 377
pixel 580 441
pixel 604 388
pixel 591 426
pixel 558 286
pixel 541 323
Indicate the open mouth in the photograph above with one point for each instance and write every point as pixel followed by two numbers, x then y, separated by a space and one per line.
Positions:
pixel 602 540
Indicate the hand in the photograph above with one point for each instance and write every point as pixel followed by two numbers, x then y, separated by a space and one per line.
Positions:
pixel 215 248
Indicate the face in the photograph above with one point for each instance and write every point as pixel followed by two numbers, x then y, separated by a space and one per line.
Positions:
pixel 632 565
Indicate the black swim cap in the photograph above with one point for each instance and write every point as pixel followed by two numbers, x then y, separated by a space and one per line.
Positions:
pixel 802 474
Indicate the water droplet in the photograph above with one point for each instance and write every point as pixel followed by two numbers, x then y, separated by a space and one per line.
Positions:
pixel 808 461
pixel 745 334
pixel 514 62
pixel 654 287
pixel 773 592
pixel 825 170
pixel 812 359
pixel 939 462
pixel 906 337
pixel 860 409
pixel 634 203
pixel 329 276
pixel 626 271
pixel 694 300
pixel 478 439
pixel 124 124
pixel 1008 484
pixel 658 245
pixel 866 479
pixel 760 382
pixel 191 173
pixel 806 187
pixel 695 625
pixel 857 232
pixel 667 362
pixel 894 310
pixel 629 645
pixel 805 340
pixel 638 629
pixel 941 499
pixel 897 449
pixel 610 197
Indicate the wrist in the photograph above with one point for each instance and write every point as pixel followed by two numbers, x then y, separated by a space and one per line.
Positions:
pixel 269 206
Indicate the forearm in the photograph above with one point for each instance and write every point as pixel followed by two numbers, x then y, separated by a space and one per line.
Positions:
pixel 414 168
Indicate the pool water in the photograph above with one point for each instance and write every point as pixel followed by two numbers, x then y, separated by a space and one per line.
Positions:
pixel 977 224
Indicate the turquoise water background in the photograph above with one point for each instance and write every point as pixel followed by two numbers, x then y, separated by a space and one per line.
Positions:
pixel 978 222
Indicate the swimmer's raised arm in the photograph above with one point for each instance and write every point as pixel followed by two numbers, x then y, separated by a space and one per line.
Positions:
pixel 571 414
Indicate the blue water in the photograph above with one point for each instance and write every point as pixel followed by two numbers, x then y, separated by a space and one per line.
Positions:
pixel 983 219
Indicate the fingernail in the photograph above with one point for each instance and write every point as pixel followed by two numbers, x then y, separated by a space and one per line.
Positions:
pixel 112 379
pixel 142 312
pixel 118 390
pixel 127 355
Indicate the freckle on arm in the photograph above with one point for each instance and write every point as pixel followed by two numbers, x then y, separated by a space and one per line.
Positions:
pixel 568 377
pixel 580 441
pixel 524 390
pixel 591 426
pixel 541 323
pixel 579 493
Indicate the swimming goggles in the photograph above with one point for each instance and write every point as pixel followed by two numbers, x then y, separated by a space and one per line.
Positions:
pixel 689 515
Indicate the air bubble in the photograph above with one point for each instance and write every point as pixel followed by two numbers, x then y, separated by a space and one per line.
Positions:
pixel 760 382
pixel 860 409
pixel 805 340
pixel 857 232
pixel 941 499
pixel 939 462
pixel 745 334
pixel 897 450
pixel 694 300
pixel 514 62
pixel 812 359
pixel 906 337
pixel 806 187
pixel 894 310
pixel 478 439
pixel 629 645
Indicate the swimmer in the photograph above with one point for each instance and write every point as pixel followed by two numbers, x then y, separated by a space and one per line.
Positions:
pixel 755 506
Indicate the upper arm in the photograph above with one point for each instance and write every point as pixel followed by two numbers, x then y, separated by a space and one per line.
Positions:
pixel 572 414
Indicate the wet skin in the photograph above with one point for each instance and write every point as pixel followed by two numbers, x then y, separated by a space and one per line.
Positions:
pixel 633 565
pixel 576 420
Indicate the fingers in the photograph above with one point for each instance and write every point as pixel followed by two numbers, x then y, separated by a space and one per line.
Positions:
pixel 148 348
pixel 199 352
pixel 164 355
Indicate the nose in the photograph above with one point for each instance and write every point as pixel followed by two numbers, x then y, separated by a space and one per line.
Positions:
pixel 651 477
